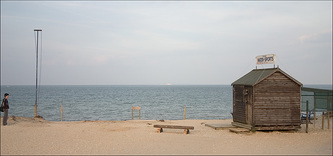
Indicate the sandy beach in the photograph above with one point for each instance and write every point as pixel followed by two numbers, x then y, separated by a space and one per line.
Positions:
pixel 30 136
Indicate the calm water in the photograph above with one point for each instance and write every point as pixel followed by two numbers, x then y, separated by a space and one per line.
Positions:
pixel 115 102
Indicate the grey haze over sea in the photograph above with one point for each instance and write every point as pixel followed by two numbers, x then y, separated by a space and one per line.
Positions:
pixel 157 102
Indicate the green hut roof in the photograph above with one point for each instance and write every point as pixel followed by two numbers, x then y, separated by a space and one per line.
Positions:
pixel 257 75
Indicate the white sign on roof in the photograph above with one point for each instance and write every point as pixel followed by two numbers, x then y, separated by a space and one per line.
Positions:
pixel 266 59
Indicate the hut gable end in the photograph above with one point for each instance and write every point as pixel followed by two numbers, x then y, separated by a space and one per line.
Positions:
pixel 277 82
pixel 267 99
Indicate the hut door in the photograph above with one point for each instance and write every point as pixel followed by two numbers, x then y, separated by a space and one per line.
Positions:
pixel 248 104
pixel 239 108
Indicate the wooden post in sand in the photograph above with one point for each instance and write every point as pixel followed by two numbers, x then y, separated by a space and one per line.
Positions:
pixel 322 121
pixel 184 112
pixel 137 108
pixel 328 119
pixel 61 111
pixel 328 111
pixel 307 116
pixel 314 113
pixel 36 110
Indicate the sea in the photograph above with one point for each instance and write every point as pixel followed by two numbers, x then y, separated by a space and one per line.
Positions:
pixel 115 102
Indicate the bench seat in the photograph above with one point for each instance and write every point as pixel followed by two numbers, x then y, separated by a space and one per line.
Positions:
pixel 186 128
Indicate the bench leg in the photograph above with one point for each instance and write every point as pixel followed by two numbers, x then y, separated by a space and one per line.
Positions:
pixel 159 130
pixel 186 131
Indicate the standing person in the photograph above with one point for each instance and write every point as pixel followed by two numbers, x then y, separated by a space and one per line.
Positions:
pixel 5 109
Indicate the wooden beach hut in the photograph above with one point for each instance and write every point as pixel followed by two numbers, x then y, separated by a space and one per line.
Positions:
pixel 267 99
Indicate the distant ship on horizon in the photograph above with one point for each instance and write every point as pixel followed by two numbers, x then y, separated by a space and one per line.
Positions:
pixel 166 84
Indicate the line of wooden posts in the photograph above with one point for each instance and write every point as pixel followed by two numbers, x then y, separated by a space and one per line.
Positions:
pixel 139 108
pixel 307 116
pixel 133 108
pixel 328 113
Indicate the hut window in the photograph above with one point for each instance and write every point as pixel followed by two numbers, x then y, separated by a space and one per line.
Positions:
pixel 246 92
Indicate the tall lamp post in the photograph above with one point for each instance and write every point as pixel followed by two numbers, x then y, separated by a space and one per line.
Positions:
pixel 37 31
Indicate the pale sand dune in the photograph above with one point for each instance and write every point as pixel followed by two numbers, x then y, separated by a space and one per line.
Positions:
pixel 37 136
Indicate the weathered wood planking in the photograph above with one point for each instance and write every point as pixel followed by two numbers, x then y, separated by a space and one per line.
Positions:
pixel 277 101
pixel 186 128
pixel 273 100
pixel 173 126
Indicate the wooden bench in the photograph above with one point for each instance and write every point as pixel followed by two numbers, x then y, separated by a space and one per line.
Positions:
pixel 186 128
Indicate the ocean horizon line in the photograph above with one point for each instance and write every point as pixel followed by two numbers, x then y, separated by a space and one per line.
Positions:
pixel 139 85
pixel 118 85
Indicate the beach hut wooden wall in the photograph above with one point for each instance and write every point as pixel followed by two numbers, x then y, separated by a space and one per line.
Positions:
pixel 267 99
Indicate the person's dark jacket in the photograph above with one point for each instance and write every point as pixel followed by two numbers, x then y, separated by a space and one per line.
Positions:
pixel 5 103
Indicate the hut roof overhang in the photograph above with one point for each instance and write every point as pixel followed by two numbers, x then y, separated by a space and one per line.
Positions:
pixel 257 75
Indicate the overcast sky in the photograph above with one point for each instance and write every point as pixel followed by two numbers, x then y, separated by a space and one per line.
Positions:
pixel 153 43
